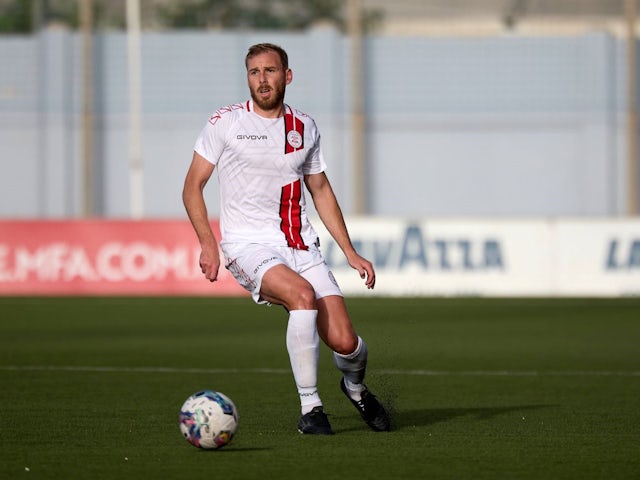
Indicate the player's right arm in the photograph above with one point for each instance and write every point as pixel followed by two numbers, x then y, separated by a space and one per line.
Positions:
pixel 197 177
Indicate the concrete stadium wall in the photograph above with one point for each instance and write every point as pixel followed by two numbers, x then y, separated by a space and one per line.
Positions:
pixel 508 126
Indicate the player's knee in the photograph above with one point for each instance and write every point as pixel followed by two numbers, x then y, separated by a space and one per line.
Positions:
pixel 305 298
pixel 345 345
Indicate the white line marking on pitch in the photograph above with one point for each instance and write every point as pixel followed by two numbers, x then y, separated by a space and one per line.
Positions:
pixel 513 373
pixel 282 371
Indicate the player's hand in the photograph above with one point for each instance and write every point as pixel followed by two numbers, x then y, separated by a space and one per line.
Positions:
pixel 210 263
pixel 365 268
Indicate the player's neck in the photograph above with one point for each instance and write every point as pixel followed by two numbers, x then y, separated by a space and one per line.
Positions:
pixel 276 112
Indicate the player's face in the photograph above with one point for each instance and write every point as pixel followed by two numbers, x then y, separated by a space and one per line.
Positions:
pixel 267 82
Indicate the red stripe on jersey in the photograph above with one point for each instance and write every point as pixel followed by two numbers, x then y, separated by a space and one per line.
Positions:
pixel 290 220
pixel 293 133
pixel 248 106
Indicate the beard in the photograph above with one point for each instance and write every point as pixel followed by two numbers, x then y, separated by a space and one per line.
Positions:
pixel 270 103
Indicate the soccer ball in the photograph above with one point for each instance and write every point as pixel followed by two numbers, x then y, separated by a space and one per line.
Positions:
pixel 208 419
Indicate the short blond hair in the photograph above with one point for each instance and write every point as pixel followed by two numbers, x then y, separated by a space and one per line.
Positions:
pixel 259 48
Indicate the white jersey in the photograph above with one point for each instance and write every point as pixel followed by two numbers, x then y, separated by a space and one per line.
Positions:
pixel 261 163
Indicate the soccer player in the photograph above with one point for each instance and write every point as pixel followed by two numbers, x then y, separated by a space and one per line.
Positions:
pixel 264 151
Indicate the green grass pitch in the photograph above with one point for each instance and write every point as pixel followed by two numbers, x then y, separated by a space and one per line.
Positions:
pixel 478 388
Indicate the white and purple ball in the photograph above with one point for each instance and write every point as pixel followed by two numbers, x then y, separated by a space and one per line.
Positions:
pixel 208 419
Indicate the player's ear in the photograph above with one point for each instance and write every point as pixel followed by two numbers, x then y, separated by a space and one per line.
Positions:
pixel 288 76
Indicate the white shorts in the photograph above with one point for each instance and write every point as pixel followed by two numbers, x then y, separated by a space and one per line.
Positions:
pixel 249 262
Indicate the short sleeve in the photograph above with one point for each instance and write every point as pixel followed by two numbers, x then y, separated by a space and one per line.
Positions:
pixel 211 141
pixel 314 162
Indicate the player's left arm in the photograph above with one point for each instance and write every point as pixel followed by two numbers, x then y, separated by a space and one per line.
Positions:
pixel 331 215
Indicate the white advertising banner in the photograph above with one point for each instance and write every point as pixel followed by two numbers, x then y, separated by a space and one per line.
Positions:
pixel 493 257
pixel 597 258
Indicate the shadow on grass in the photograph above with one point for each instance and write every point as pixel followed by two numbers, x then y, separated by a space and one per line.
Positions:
pixel 431 416
pixel 233 448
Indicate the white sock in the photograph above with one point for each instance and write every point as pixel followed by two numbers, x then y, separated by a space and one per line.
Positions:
pixel 353 367
pixel 303 345
pixel 355 389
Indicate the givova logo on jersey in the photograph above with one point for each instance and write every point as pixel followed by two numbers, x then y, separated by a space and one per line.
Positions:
pixel 251 137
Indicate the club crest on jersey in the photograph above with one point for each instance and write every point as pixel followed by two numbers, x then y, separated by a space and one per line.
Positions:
pixel 294 139
pixel 294 133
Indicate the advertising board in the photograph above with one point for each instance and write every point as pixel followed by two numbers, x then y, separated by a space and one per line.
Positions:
pixel 438 257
